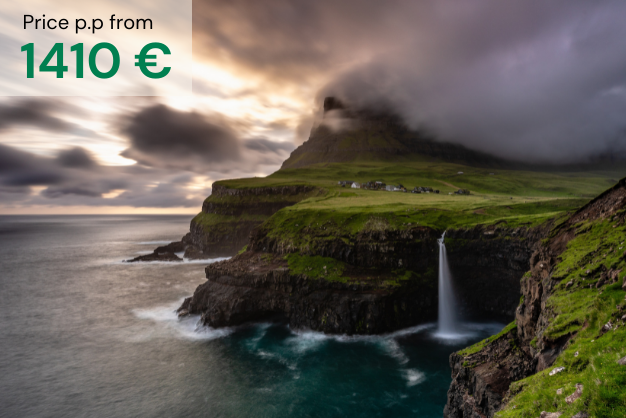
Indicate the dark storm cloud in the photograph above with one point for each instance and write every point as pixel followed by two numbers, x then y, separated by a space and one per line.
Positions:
pixel 529 79
pixel 166 138
pixel 74 178
pixel 76 158
pixel 39 113
pixel 163 137
pixel 19 168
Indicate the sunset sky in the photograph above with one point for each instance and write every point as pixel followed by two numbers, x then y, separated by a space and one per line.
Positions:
pixel 528 79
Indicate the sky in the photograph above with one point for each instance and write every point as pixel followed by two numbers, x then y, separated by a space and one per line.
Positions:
pixel 534 80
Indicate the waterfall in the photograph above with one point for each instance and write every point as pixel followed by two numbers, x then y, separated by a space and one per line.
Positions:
pixel 447 318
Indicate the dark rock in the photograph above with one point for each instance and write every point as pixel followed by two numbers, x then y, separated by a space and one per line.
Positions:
pixel 479 385
pixel 581 415
pixel 227 238
pixel 255 286
pixel 172 247
pixel 622 361
pixel 194 253
pixel 156 257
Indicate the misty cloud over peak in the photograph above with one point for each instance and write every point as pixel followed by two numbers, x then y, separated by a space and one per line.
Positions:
pixel 533 80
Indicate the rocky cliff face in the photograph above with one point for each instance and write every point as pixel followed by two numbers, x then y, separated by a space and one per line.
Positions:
pixel 255 286
pixel 487 262
pixel 229 215
pixel 389 282
pixel 227 218
pixel 483 375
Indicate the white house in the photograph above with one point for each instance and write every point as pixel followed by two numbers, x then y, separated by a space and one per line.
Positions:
pixel 356 185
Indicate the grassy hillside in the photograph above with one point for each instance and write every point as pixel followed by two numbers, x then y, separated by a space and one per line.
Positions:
pixel 578 308
pixel 514 197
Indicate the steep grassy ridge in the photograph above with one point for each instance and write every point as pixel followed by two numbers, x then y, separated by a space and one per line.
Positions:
pixel 571 318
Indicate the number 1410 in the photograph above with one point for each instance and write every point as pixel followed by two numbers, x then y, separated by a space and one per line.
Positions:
pixel 59 68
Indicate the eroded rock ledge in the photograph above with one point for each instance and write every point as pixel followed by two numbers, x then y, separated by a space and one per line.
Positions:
pixel 255 286
pixel 375 293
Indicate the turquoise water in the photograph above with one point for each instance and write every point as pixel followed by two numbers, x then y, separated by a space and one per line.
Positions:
pixel 85 335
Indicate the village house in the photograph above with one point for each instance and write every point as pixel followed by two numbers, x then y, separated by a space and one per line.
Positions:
pixel 356 185
pixel 344 183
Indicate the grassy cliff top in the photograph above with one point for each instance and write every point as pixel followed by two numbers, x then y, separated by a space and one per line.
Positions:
pixel 517 197
pixel 445 177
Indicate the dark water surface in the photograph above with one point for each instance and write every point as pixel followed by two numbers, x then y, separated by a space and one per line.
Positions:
pixel 84 335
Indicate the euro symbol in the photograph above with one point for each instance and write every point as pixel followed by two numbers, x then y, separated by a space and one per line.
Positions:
pixel 143 56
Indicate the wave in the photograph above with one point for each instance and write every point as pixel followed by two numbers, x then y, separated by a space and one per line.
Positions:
pixel 414 377
pixel 171 263
pixel 189 328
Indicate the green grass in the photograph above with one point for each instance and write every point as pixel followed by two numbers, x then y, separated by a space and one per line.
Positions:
pixel 585 184
pixel 517 197
pixel 326 268
pixel 316 267
pixel 481 344
pixel 581 311
pixel 330 212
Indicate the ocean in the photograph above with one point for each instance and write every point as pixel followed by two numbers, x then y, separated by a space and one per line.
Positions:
pixel 83 334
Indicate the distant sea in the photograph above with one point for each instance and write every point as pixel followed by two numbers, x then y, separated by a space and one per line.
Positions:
pixel 83 334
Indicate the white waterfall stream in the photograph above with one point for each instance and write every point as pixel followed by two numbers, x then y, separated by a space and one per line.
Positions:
pixel 447 322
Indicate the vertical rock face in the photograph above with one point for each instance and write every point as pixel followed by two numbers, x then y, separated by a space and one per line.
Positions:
pixel 487 264
pixel 229 215
pixel 481 379
pixel 371 297
pixel 255 286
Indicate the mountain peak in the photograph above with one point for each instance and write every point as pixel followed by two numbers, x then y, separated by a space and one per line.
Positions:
pixel 367 134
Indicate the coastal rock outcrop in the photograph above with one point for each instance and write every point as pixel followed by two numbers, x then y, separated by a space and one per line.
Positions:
pixel 255 286
pixel 389 280
pixel 227 218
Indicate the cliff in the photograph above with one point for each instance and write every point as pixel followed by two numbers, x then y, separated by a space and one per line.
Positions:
pixel 376 280
pixel 569 333
pixel 229 215
pixel 227 218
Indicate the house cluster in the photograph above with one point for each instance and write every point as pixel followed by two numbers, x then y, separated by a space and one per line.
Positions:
pixel 370 185
pixel 379 185
pixel 424 190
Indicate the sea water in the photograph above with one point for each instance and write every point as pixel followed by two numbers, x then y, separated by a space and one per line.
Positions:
pixel 83 334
